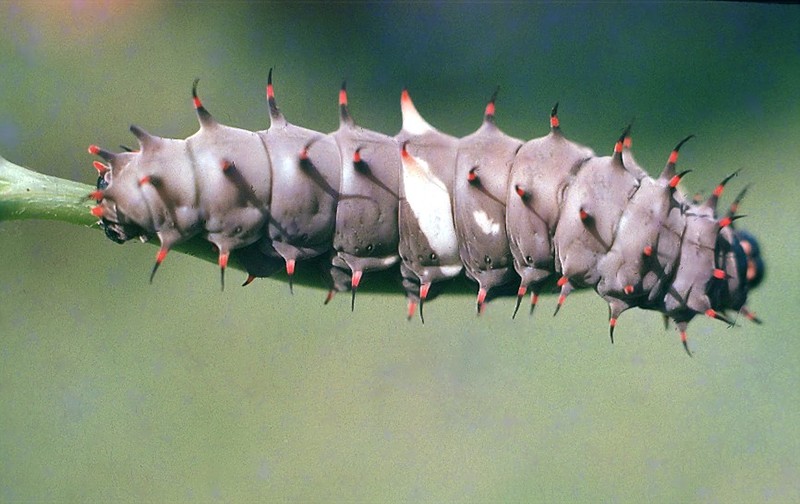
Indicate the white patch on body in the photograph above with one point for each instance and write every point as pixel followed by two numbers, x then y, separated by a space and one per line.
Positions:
pixel 487 225
pixel 430 202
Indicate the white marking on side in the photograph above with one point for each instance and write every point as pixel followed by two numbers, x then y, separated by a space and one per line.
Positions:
pixel 430 202
pixel 450 271
pixel 487 225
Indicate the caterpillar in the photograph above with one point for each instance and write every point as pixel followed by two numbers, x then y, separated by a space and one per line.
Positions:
pixel 515 216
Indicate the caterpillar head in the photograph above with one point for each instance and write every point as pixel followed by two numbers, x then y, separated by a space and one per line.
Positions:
pixel 117 191
pixel 750 253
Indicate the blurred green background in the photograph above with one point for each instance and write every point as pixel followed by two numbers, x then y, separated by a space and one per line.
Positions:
pixel 113 389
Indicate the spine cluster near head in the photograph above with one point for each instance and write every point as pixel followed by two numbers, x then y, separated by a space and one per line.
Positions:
pixel 514 216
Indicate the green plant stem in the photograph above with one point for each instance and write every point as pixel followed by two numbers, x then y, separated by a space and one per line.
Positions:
pixel 26 194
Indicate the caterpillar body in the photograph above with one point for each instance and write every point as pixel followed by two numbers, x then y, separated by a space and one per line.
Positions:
pixel 515 216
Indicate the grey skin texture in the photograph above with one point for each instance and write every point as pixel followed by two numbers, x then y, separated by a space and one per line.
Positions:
pixel 646 245
pixel 303 210
pixel 539 176
pixel 507 212
pixel 479 202
pixel 428 242
pixel 594 201
pixel 366 237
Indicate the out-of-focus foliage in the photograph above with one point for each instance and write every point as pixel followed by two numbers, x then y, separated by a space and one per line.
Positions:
pixel 113 389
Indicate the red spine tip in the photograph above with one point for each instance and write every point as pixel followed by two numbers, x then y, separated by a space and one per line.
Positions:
pixel 520 191
pixel 223 260
pixel 96 195
pixel 648 251
pixel 719 274
pixel 162 254
pixel 583 215
pixel 304 154
pixel 711 313
pixel 100 167
pixel 561 299
pixel 561 281
pixel 725 222
pixel 521 291
pixel 94 150
pixel 404 96
pixel 97 211
pixel 481 296
pixel 472 176
pixel 197 103
pixel 423 290
pixel 618 148
pixel 404 152
pixel 357 156
pixel 554 121
pixel 290 267
pixel 628 289
pixel 356 279
pixel 145 180
pixel 627 143
pixel 612 322
pixel 225 165
pixel 673 157
pixel 534 299
pixel 674 181
pixel 718 190
pixel 489 109
pixel 342 97
pixel 412 307
pixel 270 92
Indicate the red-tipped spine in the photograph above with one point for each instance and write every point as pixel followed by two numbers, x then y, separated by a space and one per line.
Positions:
pixel 554 123
pixel 472 176
pixel 627 143
pixel 223 263
pixel 676 179
pixel 520 294
pixel 160 256
pixel 100 167
pixel 685 343
pixel 412 307
pixel 290 264
pixel 488 113
pixel 481 300
pixel 270 89
pixel 423 295
pixel 354 281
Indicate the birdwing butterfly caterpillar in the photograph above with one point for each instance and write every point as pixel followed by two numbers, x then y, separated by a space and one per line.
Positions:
pixel 514 216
